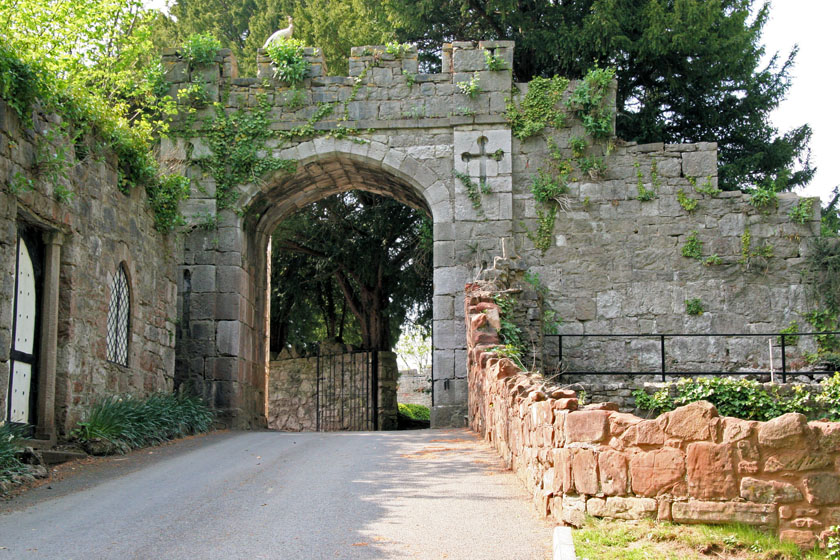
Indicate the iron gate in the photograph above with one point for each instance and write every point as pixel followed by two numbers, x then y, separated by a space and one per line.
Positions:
pixel 346 390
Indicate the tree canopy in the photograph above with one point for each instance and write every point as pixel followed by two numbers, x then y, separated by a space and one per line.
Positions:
pixel 351 267
pixel 687 70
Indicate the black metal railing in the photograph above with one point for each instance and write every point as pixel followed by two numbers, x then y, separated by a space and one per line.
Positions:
pixel 346 391
pixel 781 339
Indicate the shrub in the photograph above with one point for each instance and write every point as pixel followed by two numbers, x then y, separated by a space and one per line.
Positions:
pixel 744 398
pixel 289 64
pixel 832 545
pixel 200 48
pixel 9 448
pixel 128 423
pixel 414 411
pixel 694 306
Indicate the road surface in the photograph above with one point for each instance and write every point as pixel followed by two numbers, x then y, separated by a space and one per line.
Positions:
pixel 420 494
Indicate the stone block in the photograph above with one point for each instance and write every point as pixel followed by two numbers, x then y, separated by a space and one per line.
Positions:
pixel 585 471
pixel 612 469
pixel 574 510
pixel 822 488
pixel 657 472
pixel 711 474
pixel 691 422
pixel 769 491
pixel 787 431
pixel 227 337
pixel 695 511
pixel 805 540
pixel 699 164
pixel 622 508
pixel 203 278
pixel 590 426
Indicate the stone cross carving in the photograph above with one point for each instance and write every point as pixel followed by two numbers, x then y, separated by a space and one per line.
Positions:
pixel 482 162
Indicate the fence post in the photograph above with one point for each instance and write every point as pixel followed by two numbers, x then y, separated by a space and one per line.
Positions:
pixel 662 354
pixel 784 361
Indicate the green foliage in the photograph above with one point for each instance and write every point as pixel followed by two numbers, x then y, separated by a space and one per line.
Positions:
pixel 713 260
pixel 688 204
pixel 550 319
pixel 762 197
pixel 414 346
pixel 578 146
pixel 164 198
pixel 129 423
pixel 194 95
pixel 512 353
pixel 494 63
pixel 706 188
pixel 290 65
pixel 749 254
pixel 787 334
pixel 832 545
pixel 200 48
pixel 414 411
pixel 539 107
pixel 510 333
pixel 594 166
pixel 657 402
pixel 589 102
pixel 830 223
pixel 744 398
pixel 397 49
pixel 236 140
pixel 471 88
pixel 410 79
pixel 546 188
pixel 694 306
pixel 543 238
pixel 10 465
pixel 351 267
pixel 693 247
pixel 473 190
pixel 802 211
pixel 644 194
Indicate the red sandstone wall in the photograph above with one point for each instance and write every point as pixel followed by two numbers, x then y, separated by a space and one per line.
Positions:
pixel 687 466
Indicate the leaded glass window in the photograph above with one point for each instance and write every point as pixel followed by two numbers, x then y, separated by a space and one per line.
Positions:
pixel 118 313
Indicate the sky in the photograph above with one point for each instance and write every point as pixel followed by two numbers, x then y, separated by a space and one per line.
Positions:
pixel 811 24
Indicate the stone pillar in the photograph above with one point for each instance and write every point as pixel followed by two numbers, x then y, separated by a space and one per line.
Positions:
pixel 49 337
pixel 387 398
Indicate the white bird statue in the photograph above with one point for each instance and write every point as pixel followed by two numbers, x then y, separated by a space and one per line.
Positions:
pixel 284 33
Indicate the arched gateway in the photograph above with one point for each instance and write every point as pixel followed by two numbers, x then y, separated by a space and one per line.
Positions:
pixel 385 129
pixel 614 261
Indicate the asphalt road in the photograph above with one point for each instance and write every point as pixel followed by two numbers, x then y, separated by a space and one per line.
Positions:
pixel 421 494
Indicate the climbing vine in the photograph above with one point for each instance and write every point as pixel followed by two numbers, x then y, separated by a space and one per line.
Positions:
pixel 474 191
pixel 538 108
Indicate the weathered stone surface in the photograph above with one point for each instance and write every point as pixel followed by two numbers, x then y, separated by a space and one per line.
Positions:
pixel 585 470
pixel 656 472
pixel 822 488
pixel 691 422
pixel 622 508
pixel 612 469
pixel 796 459
pixel 590 426
pixel 769 491
pixel 711 474
pixel 804 539
pixel 785 431
pixel 694 511
pixel 574 510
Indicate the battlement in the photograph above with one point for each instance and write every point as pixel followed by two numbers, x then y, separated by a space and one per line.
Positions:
pixel 382 89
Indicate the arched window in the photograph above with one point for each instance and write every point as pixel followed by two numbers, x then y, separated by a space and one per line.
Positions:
pixel 118 314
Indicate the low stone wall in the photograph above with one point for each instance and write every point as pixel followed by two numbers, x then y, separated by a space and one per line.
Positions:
pixel 415 387
pixel 688 466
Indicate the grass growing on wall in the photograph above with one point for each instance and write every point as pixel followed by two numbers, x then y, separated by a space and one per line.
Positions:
pixel 128 423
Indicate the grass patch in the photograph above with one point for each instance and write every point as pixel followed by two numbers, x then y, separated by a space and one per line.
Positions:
pixel 414 411
pixel 120 423
pixel 607 539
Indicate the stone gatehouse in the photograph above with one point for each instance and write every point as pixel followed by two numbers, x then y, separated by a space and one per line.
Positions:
pixel 613 262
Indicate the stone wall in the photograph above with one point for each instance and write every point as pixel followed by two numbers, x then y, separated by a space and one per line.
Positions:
pixel 686 466
pixel 342 393
pixel 415 387
pixel 91 234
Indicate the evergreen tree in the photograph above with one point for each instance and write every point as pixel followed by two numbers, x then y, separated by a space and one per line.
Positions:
pixel 687 70
pixel 356 254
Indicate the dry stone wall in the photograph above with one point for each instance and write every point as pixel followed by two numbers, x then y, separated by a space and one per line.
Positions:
pixel 686 466
pixel 415 387
pixel 96 231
